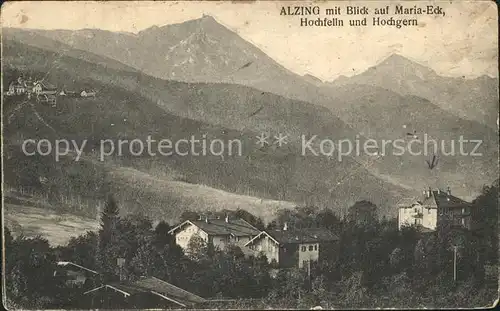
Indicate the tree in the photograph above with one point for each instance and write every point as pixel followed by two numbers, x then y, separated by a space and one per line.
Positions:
pixel 353 293
pixel 146 260
pixel 108 238
pixel 109 218
pixel 29 272
pixel 82 250
pixel 250 218
pixel 363 212
pixel 396 259
pixel 189 215
pixel 289 285
pixel 327 219
pixel 486 208
pixel 197 248
pixel 162 235
pixel 300 217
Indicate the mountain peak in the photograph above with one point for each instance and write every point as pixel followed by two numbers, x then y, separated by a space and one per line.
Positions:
pixel 397 62
pixel 398 59
pixel 207 17
pixel 206 21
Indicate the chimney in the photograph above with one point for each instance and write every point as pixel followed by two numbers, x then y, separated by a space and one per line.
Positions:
pixel 285 227
pixel 448 190
pixel 439 191
pixel 206 219
pixel 227 218
pixel 429 192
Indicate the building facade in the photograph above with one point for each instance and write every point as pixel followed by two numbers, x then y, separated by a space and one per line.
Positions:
pixel 40 88
pixel 217 232
pixel 293 248
pixel 436 207
pixel 75 275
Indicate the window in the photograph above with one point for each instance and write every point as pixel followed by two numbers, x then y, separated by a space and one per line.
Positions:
pixel 316 247
pixel 311 248
pixel 305 263
pixel 303 248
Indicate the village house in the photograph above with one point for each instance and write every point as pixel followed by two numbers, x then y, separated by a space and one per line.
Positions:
pixel 41 88
pixel 294 248
pixel 88 93
pixel 144 293
pixel 217 232
pixel 75 275
pixel 434 208
pixel 20 87
pixel 68 93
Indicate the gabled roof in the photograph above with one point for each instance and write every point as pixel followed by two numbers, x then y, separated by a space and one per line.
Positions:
pixel 156 287
pixel 446 200
pixel 306 235
pixel 45 85
pixel 438 199
pixel 72 264
pixel 234 227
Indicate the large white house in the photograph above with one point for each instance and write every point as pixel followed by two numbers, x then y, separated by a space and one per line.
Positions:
pixel 434 207
pixel 218 232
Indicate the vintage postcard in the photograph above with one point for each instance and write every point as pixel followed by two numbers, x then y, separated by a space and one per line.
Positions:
pixel 250 154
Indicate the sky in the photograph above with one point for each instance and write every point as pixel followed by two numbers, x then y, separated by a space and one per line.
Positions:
pixel 462 43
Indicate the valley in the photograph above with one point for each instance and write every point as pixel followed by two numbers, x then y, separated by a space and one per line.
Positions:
pixel 200 78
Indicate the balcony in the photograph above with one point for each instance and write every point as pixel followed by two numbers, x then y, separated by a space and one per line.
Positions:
pixel 418 215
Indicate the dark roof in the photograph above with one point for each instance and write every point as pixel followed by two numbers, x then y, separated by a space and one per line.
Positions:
pixel 438 199
pixel 158 287
pixel 306 235
pixel 236 227
pixel 446 200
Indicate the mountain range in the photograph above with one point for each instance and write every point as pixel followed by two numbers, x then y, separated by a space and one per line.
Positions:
pixel 128 108
pixel 199 76
pixel 474 99
pixel 203 50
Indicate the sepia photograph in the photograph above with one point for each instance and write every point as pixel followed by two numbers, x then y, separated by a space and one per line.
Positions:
pixel 250 155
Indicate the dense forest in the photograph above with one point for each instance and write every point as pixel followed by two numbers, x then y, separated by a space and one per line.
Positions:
pixel 377 265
